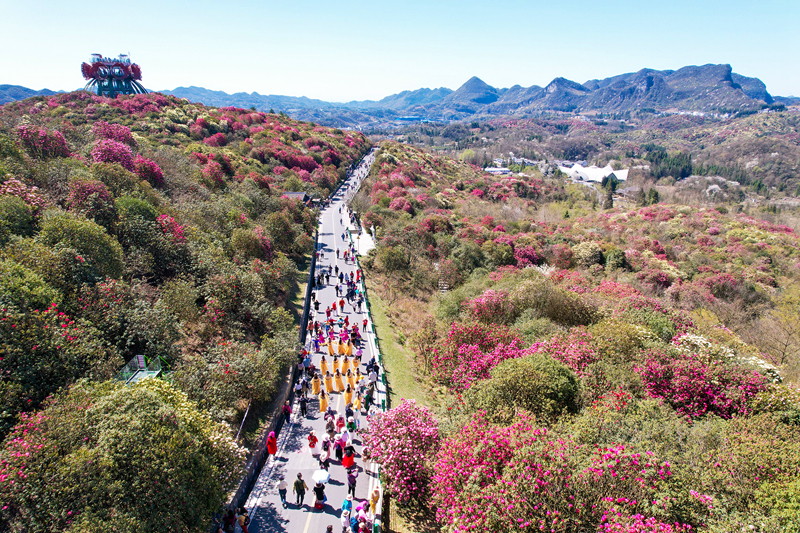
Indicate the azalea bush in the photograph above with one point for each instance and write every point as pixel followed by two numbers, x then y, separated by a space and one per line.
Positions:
pixel 403 440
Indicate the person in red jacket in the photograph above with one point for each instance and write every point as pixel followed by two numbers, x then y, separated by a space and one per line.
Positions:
pixel 272 444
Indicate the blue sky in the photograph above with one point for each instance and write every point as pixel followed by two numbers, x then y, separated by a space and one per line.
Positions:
pixel 354 50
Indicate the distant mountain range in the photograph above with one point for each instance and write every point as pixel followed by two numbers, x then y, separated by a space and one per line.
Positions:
pixel 707 88
pixel 11 93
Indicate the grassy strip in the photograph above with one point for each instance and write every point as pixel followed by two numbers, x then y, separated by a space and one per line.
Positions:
pixel 398 362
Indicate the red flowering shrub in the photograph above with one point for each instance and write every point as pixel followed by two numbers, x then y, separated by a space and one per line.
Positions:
pixel 562 256
pixel 402 204
pixel 171 229
pixel 108 151
pixel 218 139
pixel 403 440
pixel 147 169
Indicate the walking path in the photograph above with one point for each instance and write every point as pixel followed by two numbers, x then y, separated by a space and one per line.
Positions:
pixel 267 512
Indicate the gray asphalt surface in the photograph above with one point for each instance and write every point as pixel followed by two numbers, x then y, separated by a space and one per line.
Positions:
pixel 266 510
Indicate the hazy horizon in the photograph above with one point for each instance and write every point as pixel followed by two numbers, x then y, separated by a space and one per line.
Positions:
pixel 360 51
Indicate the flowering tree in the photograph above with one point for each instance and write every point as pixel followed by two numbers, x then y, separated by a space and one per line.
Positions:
pixel 93 200
pixel 472 345
pixel 403 440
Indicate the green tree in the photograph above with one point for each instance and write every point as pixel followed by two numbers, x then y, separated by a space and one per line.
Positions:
pixel 110 457
pixel 88 238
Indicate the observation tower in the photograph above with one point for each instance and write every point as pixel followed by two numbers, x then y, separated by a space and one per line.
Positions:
pixel 112 76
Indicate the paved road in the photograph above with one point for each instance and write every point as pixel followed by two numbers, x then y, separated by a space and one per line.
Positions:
pixel 266 511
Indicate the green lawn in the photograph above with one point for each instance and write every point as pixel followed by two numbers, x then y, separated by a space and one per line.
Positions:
pixel 399 363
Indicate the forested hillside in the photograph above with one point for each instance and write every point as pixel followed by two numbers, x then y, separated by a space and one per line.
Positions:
pixel 145 225
pixel 617 370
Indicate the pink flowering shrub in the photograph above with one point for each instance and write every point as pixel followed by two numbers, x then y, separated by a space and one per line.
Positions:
pixel 469 344
pixel 93 200
pixel 492 307
pixel 39 142
pixel 108 151
pixel 403 440
pixel 114 132
pixel 615 522
pixel 402 204
pixel 696 386
pixel 147 169
pixel 29 195
pixel 171 228
pixel 573 348
pixel 218 139
pixel 474 364
pixel 520 478
pixel 212 172
pixel 526 256
pixel 562 256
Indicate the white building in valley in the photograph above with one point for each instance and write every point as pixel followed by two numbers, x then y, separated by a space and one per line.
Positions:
pixel 593 173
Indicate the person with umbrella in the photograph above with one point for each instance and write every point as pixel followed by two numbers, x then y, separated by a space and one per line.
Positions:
pixel 319 492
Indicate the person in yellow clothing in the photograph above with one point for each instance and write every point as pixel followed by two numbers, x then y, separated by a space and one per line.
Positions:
pixel 316 385
pixel 323 365
pixel 345 364
pixel 359 375
pixel 335 363
pixel 351 379
pixel 329 382
pixel 337 377
pixel 348 395
pixel 357 401
pixel 373 500
pixel 330 348
pixel 323 402
pixel 340 347
pixel 349 348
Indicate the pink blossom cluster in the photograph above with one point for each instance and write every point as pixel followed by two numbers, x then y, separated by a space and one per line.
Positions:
pixel 403 440
pixel 615 522
pixel 40 142
pixel 696 386
pixel 29 195
pixel 470 345
pixel 171 228
pixel 212 171
pixel 109 151
pixel 493 306
pixel 573 348
pixel 147 169
pixel 114 132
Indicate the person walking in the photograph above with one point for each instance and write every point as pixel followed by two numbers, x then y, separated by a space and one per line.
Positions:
pixel 319 493
pixel 299 488
pixel 287 412
pixel 303 401
pixel 352 477
pixel 282 488
pixel 272 444
pixel 312 443
pixel 323 401
pixel 373 500
pixel 243 519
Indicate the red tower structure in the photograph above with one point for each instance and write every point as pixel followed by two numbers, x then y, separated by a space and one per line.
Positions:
pixel 112 76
